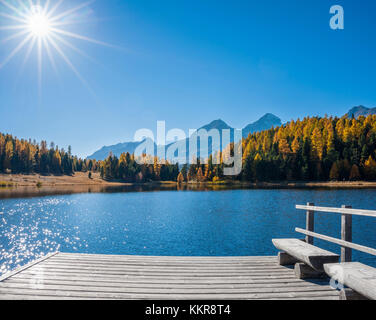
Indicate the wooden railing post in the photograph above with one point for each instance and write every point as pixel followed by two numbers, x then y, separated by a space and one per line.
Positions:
pixel 346 235
pixel 310 222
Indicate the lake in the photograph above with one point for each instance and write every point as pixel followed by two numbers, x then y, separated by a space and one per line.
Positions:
pixel 173 223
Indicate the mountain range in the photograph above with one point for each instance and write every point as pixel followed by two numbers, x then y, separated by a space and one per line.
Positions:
pixel 360 111
pixel 266 122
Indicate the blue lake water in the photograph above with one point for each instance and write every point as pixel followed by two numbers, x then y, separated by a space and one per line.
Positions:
pixel 179 223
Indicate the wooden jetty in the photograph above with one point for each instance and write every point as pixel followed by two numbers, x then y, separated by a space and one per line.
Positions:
pixel 80 276
pixel 300 272
pixel 356 280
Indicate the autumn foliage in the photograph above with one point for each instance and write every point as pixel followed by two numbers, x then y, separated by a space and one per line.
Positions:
pixel 22 156
pixel 313 149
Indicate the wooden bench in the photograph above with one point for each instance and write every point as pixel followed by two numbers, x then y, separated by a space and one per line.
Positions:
pixel 313 258
pixel 357 276
pixel 360 279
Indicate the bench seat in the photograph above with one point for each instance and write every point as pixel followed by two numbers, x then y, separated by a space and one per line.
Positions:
pixel 309 254
pixel 357 276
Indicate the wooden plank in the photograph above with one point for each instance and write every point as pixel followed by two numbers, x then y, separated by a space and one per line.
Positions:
pixel 356 212
pixel 183 258
pixel 151 281
pixel 346 235
pixel 310 222
pixel 351 295
pixel 158 290
pixel 27 266
pixel 256 298
pixel 158 269
pixel 357 276
pixel 287 276
pixel 160 273
pixel 284 259
pixel 311 255
pixel 125 292
pixel 22 297
pixel 168 259
pixel 85 266
pixel 321 298
pixel 109 284
pixel 217 260
pixel 303 271
pixel 340 242
pixel 163 270
pixel 167 263
pixel 175 296
pixel 174 263
pixel 34 297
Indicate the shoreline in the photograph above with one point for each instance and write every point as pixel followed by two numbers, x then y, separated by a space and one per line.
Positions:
pixel 19 186
pixel 14 181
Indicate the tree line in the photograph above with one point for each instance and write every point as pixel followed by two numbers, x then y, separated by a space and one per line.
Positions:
pixel 312 149
pixel 22 156
pixel 127 169
pixel 19 156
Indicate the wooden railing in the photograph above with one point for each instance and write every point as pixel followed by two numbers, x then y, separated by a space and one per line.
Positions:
pixel 345 242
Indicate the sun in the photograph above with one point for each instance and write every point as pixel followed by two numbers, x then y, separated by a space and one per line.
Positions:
pixel 40 27
pixel 38 22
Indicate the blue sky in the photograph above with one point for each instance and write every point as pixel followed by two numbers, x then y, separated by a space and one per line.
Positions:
pixel 188 63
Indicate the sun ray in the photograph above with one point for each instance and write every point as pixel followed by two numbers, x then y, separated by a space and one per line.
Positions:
pixel 68 44
pixel 76 21
pixel 69 63
pixel 54 8
pixel 16 35
pixel 15 27
pixel 27 55
pixel 24 6
pixel 15 51
pixel 50 56
pixel 5 3
pixel 46 6
pixel 40 66
pixel 5 15
pixel 28 52
pixel 77 36
pixel 70 11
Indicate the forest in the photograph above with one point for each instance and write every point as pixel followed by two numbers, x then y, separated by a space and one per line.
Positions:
pixel 22 156
pixel 312 149
pixel 19 156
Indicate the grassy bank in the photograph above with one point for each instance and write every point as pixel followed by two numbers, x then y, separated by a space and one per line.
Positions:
pixel 82 179
pixel 6 184
pixel 36 180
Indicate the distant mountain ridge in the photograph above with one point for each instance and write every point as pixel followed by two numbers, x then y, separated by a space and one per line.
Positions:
pixel 264 123
pixel 116 150
pixel 360 111
pixel 267 122
pixel 217 124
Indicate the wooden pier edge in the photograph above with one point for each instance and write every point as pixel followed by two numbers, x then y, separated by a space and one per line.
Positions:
pixel 76 276
pixel 27 266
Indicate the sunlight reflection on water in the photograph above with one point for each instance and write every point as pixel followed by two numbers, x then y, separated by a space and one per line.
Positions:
pixel 220 223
